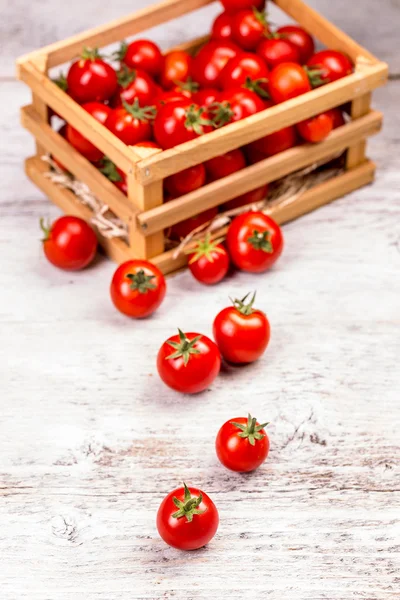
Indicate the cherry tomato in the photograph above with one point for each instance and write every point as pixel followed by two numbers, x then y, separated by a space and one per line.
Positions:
pixel 177 67
pixel 131 124
pixel 235 105
pixel 337 117
pixel 247 70
pixel 254 241
pixel 90 79
pixel 181 230
pixel 144 55
pixel 179 122
pixel 242 444
pixel 249 27
pixel 271 144
pixel 69 243
pixel 167 97
pixel 275 51
pixel 134 84
pixel 148 144
pixel 188 362
pixel 211 59
pixel 114 174
pixel 288 80
pixel 137 288
pixel 187 519
pixel 300 38
pixel 332 64
pixel 222 27
pixel 209 262
pixel 316 128
pixel 100 112
pixel 233 6
pixel 186 181
pixel 248 198
pixel 225 164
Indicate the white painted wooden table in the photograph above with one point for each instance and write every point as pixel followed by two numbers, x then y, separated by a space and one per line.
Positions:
pixel 90 439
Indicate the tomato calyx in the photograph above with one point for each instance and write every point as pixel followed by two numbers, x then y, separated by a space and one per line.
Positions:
pixel 195 120
pixel 242 307
pixel 121 52
pixel 255 85
pixel 46 228
pixel 261 17
pixel 91 54
pixel 189 507
pixel 141 282
pixel 205 248
pixel 314 75
pixel 126 76
pixel 144 114
pixel 184 348
pixel 251 430
pixel 222 113
pixel 61 82
pixel 109 169
pixel 188 86
pixel 261 240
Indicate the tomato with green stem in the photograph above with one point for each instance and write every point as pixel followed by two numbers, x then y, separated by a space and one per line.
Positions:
pixel 142 54
pixel 69 243
pixel 300 38
pixel 249 27
pixel 177 67
pixel 332 65
pixel 236 104
pixel 248 70
pixel 188 362
pixel 91 79
pixel 209 261
pixel 131 124
pixel 134 84
pixel 101 113
pixel 179 122
pixel 288 80
pixel 187 518
pixel 187 88
pixel 242 444
pixel 114 174
pixel 137 288
pixel 206 97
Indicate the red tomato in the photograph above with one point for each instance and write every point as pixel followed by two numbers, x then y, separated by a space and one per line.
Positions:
pixel 275 51
pixel 233 6
pixel 181 230
pixel 114 174
pixel 187 519
pixel 186 181
pixel 316 128
pixel 90 79
pixel 211 59
pixel 254 241
pixel 271 144
pixel 247 70
pixel 101 113
pixel 242 444
pixel 179 122
pixel 187 88
pixel 300 38
pixel 148 144
pixel 188 362
pixel 237 104
pixel 209 263
pixel 131 124
pixel 288 80
pixel 332 64
pixel 69 243
pixel 248 198
pixel 206 97
pixel 167 97
pixel 137 288
pixel 144 55
pixel 224 165
pixel 177 67
pixel 337 117
pixel 134 85
pixel 222 27
pixel 249 27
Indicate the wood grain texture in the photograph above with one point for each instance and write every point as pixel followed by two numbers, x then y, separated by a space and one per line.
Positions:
pixel 90 440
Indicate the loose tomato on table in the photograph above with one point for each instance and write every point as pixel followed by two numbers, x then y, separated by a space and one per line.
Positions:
pixel 186 181
pixel 274 51
pixel 188 362
pixel 300 38
pixel 249 27
pixel 137 288
pixel 69 243
pixel 315 129
pixel 187 519
pixel 288 80
pixel 179 122
pixel 254 241
pixel 209 262
pixel 211 59
pixel 181 230
pixel 242 444
pixel 237 104
pixel 101 113
pixel 247 70
pixel 271 144
pixel 134 84
pixel 251 197
pixel 225 164
pixel 91 79
pixel 222 27
pixel 131 124
pixel 331 64
pixel 142 54
pixel 177 67
pixel 233 6
pixel 114 174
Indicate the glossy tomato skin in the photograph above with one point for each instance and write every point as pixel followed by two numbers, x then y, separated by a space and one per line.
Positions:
pixel 206 97
pixel 242 68
pixel 181 230
pixel 236 453
pixel 233 6
pixel 225 164
pixel 286 81
pixel 199 372
pixel 222 27
pixel 132 299
pixel 144 55
pixel 170 125
pixel 184 535
pixel 212 268
pixel 70 244
pixel 337 117
pixel 248 198
pixel 244 254
pixel 300 38
pixel 148 144
pixel 91 80
pixel 168 97
pixel 276 51
pixel 101 113
pixel 210 61
pixel 186 181
pixel 316 128
pixel 242 102
pixel 128 128
pixel 248 29
pixel 271 144
pixel 177 67
pixel 135 84
pixel 333 65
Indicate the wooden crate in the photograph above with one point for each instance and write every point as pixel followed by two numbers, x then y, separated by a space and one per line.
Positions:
pixel 143 209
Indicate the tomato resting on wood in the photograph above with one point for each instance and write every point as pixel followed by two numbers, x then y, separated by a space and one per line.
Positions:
pixel 69 243
pixel 137 288
pixel 236 104
pixel 224 165
pixel 271 144
pixel 242 444
pixel 331 64
pixel 209 262
pixel 100 112
pixel 113 174
pixel 91 79
pixel 315 129
pixel 187 519
pixel 186 181
pixel 288 80
pixel 188 362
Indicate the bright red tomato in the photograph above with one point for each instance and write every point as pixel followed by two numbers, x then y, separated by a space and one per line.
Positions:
pixel 248 198
pixel 177 67
pixel 209 262
pixel 222 27
pixel 249 27
pixel 144 55
pixel 179 122
pixel 101 113
pixel 186 181
pixel 181 230
pixel 233 6
pixel 69 243
pixel 90 79
pixel 247 70
pixel 188 362
pixel 287 81
pixel 167 97
pixel 187 519
pixel 316 128
pixel 131 124
pixel 242 444
pixel 237 104
pixel 337 117
pixel 114 174
pixel 300 38
pixel 225 164
pixel 211 59
pixel 332 64
pixel 271 144
pixel 148 144
pixel 206 97
pixel 134 84
pixel 255 242
pixel 137 288
pixel 275 51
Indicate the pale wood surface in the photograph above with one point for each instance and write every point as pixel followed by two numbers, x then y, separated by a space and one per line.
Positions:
pixel 90 440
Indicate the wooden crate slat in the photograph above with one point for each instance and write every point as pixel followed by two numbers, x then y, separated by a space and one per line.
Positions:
pixel 359 108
